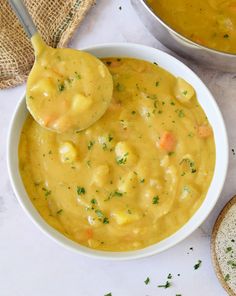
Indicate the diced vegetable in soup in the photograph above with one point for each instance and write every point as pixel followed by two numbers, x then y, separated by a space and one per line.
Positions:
pixel 134 177
pixel 211 23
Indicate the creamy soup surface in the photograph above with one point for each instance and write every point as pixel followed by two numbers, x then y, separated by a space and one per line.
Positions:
pixel 211 23
pixel 135 176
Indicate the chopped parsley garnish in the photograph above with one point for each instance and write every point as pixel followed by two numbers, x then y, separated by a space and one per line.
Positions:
pixel 80 190
pixel 61 86
pixel 142 180
pixel 117 193
pixel 167 285
pixel 104 146
pixel 155 200
pixel 59 211
pixel 88 163
pixel 101 217
pixel 157 83
pixel 110 138
pixel 190 163
pixel 93 201
pixel 181 113
pixel 99 213
pixel 123 159
pixel 147 281
pixel 119 87
pixel 226 36
pixel 198 264
pixel 227 277
pixel 185 92
pixel 90 145
pixel 133 112
pixel 105 220
pixel 77 75
pixel 171 153
pixel 47 192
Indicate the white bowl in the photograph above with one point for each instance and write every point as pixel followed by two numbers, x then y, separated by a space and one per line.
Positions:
pixel 213 113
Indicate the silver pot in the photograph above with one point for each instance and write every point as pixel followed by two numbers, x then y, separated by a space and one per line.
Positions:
pixel 181 45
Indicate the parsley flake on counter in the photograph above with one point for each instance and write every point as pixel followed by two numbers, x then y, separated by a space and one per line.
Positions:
pixel 169 276
pixel 167 285
pixel 80 190
pixel 109 294
pixel 198 264
pixel 147 281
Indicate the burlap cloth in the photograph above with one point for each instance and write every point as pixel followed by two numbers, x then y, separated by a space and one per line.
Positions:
pixel 56 20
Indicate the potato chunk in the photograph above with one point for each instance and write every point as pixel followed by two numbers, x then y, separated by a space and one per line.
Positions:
pixel 123 217
pixel 101 175
pixel 80 103
pixel 68 153
pixel 125 154
pixel 189 193
pixel 183 90
pixel 44 86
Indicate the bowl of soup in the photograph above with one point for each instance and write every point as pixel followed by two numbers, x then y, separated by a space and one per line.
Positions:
pixel 201 30
pixel 140 179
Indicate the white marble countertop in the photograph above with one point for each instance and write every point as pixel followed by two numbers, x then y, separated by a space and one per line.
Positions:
pixel 32 264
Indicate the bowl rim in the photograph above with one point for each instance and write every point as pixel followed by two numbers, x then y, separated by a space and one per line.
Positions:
pixel 31 212
pixel 170 28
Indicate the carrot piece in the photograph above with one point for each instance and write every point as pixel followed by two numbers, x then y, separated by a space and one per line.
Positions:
pixel 89 233
pixel 48 120
pixel 168 142
pixel 204 131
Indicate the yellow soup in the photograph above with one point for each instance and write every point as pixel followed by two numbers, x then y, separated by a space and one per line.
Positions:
pixel 211 23
pixel 134 177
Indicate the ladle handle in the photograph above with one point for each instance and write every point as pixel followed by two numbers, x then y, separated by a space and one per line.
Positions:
pixel 23 16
